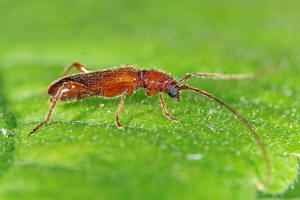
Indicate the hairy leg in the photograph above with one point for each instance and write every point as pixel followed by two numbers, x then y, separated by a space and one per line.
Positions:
pixel 67 91
pixel 80 67
pixel 48 118
pixel 119 110
pixel 163 105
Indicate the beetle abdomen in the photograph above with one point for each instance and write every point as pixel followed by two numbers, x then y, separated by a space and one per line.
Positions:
pixel 107 83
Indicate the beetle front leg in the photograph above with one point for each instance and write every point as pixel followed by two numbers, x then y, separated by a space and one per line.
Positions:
pixel 163 105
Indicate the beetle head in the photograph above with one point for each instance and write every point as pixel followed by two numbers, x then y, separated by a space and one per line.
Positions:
pixel 174 91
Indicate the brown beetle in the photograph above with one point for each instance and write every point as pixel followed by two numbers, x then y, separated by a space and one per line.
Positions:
pixel 126 80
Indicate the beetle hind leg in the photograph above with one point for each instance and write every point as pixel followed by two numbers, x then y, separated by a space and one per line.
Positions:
pixel 54 101
pixel 80 67
pixel 67 91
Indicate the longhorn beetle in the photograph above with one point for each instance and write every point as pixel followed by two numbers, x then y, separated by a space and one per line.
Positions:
pixel 126 80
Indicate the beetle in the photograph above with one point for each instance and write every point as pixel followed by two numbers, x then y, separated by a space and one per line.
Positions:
pixel 126 80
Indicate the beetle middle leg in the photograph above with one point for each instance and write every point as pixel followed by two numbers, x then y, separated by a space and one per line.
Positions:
pixel 119 110
pixel 163 105
pixel 80 67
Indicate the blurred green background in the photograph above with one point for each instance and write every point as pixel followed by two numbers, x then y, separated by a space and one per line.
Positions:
pixel 82 154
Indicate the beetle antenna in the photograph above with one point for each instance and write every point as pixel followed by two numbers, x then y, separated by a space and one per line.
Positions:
pixel 247 124
pixel 232 76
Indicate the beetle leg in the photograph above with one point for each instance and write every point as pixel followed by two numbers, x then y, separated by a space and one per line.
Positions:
pixel 163 105
pixel 54 102
pixel 119 110
pixel 67 91
pixel 80 67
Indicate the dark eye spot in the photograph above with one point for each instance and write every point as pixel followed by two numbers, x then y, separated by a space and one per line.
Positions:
pixel 173 91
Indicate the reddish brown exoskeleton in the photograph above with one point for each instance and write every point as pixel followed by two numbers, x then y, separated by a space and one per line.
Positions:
pixel 125 81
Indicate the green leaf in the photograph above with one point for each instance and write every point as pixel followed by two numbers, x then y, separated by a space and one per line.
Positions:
pixel 7 143
pixel 292 193
pixel 211 155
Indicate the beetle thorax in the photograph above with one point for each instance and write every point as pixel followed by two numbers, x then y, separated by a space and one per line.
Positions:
pixel 156 81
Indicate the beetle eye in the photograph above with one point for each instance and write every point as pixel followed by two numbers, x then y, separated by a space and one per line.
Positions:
pixel 173 91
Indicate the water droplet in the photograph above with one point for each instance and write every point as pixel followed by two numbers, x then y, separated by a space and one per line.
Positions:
pixel 197 156
pixel 177 166
pixel 4 132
